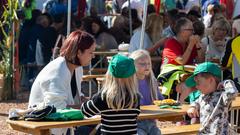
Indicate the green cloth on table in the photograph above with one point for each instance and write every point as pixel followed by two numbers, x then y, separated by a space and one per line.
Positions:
pixel 169 106
pixel 65 115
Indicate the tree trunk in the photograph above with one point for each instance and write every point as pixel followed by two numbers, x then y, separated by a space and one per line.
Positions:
pixel 6 91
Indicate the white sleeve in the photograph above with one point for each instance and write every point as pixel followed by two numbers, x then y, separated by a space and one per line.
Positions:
pixel 56 93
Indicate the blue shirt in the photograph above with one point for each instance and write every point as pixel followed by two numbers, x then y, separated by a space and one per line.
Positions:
pixel 167 32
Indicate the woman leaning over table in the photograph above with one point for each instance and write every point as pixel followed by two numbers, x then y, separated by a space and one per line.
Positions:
pixel 53 84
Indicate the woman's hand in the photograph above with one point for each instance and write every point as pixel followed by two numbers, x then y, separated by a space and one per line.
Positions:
pixel 194 40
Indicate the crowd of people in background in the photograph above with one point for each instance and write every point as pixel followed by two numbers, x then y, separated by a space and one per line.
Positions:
pixel 41 30
pixel 180 32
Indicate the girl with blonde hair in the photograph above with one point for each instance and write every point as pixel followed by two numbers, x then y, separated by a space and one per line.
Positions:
pixel 148 88
pixel 118 101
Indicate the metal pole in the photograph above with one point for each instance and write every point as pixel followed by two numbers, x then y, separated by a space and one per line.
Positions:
pixel 69 18
pixel 90 82
pixel 130 17
pixel 143 23
pixel 200 3
pixel 12 50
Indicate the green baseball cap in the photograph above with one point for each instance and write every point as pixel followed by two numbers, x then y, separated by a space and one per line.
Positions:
pixel 121 66
pixel 206 67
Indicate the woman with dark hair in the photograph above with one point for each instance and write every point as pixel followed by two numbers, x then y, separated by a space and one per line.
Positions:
pixel 104 39
pixel 53 85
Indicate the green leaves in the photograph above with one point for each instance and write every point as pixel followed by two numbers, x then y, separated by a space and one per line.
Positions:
pixel 6 26
pixel 7 20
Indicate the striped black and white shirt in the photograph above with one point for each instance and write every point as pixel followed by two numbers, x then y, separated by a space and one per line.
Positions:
pixel 115 122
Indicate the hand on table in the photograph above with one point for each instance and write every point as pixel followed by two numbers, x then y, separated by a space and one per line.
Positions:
pixel 193 112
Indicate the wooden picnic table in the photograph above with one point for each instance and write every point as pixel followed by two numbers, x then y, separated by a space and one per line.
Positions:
pixel 147 112
pixel 43 127
pixel 236 103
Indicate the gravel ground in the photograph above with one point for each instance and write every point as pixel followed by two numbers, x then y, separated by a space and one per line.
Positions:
pixel 4 107
pixel 21 103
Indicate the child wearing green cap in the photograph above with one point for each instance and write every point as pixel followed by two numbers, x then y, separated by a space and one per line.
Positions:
pixel 118 101
pixel 213 104
pixel 148 88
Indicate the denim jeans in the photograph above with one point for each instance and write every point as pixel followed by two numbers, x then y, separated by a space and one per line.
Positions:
pixel 147 127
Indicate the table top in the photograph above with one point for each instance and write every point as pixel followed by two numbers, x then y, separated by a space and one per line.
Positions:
pixel 147 112
pixel 154 112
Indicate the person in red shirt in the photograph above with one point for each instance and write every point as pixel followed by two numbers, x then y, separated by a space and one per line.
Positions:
pixel 185 47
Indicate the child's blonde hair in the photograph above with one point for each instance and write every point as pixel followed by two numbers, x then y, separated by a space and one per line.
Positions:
pixel 152 81
pixel 120 92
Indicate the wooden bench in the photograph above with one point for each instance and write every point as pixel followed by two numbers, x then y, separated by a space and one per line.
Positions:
pixel 89 77
pixel 95 71
pixel 193 129
pixel 181 130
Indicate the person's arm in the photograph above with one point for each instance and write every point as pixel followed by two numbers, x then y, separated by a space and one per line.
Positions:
pixel 157 45
pixel 160 96
pixel 194 109
pixel 200 53
pixel 55 93
pixel 230 91
pixel 93 106
pixel 182 60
